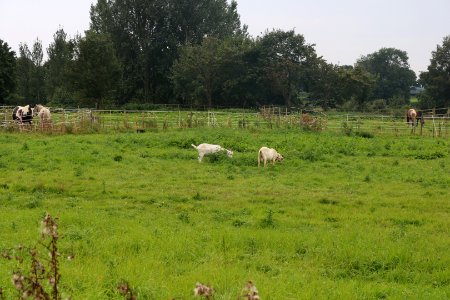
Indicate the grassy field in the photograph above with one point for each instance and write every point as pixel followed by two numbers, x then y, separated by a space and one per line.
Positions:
pixel 342 217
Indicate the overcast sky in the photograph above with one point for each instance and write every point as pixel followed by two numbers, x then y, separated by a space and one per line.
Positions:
pixel 342 30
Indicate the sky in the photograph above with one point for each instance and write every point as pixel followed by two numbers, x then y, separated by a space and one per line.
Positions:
pixel 342 30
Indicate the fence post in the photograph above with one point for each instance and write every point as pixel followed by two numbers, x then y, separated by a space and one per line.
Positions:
pixel 434 125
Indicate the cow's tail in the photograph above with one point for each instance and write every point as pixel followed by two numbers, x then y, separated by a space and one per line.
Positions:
pixel 194 146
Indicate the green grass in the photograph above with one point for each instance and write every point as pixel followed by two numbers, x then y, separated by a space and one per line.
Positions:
pixel 342 217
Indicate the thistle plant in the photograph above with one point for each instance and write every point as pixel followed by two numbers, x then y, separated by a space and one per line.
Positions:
pixel 126 291
pixel 202 290
pixel 42 279
pixel 250 292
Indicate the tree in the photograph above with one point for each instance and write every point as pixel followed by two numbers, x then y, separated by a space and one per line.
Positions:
pixel 285 59
pixel 58 67
pixel 38 72
pixel 24 72
pixel 96 69
pixel 354 86
pixel 437 78
pixel 7 71
pixel 391 68
pixel 197 72
pixel 30 73
pixel 147 35
pixel 193 20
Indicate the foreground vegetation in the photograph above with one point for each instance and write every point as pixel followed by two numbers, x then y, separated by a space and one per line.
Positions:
pixel 341 217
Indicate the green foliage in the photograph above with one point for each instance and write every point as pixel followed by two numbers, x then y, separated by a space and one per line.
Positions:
pixel 97 70
pixel 30 72
pixel 147 55
pixel 285 63
pixel 437 78
pixel 393 75
pixel 59 70
pixel 7 72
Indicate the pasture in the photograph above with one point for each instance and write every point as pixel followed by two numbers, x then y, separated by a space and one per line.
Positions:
pixel 342 217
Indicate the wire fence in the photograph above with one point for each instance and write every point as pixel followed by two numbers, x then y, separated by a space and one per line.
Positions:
pixel 90 120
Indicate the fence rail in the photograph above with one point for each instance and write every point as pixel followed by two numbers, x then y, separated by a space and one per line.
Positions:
pixel 85 120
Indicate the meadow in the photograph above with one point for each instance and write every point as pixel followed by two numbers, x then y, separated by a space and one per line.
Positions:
pixel 344 216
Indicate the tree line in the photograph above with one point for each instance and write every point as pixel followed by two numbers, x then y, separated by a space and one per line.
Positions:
pixel 197 53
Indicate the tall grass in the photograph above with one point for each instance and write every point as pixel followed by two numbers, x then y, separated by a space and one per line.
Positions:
pixel 340 217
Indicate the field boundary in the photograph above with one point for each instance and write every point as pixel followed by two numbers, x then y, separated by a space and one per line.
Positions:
pixel 86 120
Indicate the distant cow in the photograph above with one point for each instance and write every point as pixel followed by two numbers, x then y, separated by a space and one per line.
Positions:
pixel 268 154
pixel 205 149
pixel 23 114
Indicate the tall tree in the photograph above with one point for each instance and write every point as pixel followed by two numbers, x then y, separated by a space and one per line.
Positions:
pixel 24 72
pixel 197 73
pixel 391 68
pixel 38 72
pixel 285 59
pixel 60 55
pixel 147 35
pixel 30 73
pixel 437 78
pixel 354 86
pixel 192 20
pixel 7 72
pixel 96 69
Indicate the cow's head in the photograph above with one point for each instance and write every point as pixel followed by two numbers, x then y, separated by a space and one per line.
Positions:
pixel 229 153
pixel 279 157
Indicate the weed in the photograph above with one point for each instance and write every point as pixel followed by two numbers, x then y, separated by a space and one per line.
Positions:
pixel 198 197
pixel 364 134
pixel 268 221
pixel 125 290
pixel 238 223
pixel 250 292
pixel 204 291
pixel 328 201
pixel 41 280
pixel 184 217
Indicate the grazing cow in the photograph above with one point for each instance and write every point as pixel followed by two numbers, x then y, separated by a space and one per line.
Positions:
pixel 23 114
pixel 44 115
pixel 268 154
pixel 204 149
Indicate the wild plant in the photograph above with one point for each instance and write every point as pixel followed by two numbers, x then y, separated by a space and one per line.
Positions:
pixel 202 290
pixel 250 292
pixel 42 279
pixel 126 291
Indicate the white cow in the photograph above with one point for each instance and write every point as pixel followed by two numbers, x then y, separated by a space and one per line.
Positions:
pixel 204 149
pixel 268 154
